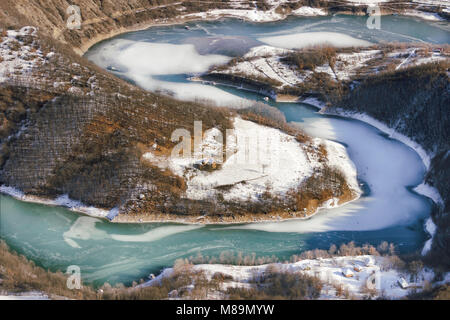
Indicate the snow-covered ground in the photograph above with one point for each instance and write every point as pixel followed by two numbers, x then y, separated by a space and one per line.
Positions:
pixel 63 201
pixel 308 11
pixel 16 57
pixel 355 274
pixel 445 4
pixel 347 63
pixel 429 16
pixel 243 11
pixel 308 39
pixel 366 2
pixel 259 158
pixel 430 227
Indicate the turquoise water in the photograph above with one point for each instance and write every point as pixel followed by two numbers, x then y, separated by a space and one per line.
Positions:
pixel 56 238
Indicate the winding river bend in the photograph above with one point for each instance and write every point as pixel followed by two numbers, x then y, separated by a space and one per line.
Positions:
pixel 160 58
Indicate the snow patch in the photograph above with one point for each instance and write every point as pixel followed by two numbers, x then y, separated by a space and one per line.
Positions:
pixel 302 40
pixel 62 200
pixel 431 228
pixel 309 11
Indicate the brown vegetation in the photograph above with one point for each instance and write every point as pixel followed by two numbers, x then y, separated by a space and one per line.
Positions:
pixel 310 58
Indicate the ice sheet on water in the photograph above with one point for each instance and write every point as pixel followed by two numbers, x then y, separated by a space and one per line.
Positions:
pixel 307 39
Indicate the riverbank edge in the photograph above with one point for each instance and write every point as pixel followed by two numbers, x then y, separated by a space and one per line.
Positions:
pixel 422 188
pixel 194 220
pixel 210 17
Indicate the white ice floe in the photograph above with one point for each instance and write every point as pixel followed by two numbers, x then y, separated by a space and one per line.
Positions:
pixel 258 158
pixel 423 188
pixel 143 62
pixel 62 200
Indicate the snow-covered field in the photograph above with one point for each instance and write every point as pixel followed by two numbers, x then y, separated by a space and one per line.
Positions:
pixel 356 274
pixel 35 295
pixel 423 188
pixel 259 158
pixel 143 62
pixel 63 201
